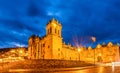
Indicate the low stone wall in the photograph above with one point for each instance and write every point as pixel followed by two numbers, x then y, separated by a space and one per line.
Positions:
pixel 40 64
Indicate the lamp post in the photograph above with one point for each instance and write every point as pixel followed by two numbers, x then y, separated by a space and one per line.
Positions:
pixel 94 56
pixel 79 53
pixel 94 40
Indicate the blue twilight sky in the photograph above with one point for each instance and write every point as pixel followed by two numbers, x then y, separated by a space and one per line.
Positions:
pixel 81 19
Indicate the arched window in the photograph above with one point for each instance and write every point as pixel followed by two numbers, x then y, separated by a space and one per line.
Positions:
pixel 55 30
pixel 59 54
pixel 58 32
pixel 48 46
pixel 50 30
pixel 44 45
pixel 58 49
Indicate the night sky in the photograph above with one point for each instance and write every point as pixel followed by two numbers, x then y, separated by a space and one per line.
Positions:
pixel 80 19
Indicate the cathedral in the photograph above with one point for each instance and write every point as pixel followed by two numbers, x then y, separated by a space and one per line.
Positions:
pixel 51 46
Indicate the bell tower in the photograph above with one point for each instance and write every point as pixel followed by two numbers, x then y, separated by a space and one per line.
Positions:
pixel 53 33
pixel 53 28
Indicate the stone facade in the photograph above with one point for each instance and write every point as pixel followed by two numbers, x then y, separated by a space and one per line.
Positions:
pixel 51 46
pixel 103 53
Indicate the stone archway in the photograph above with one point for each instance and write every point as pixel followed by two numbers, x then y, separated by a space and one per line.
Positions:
pixel 99 59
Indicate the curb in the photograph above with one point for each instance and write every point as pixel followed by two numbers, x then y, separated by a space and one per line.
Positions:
pixel 50 70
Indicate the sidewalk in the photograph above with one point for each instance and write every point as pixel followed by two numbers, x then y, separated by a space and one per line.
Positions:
pixel 50 70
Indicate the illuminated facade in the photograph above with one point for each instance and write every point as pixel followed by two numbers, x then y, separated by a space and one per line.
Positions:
pixel 102 53
pixel 51 46
pixel 13 54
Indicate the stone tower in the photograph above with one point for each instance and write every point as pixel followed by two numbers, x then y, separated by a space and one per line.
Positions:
pixel 33 47
pixel 48 46
pixel 53 28
pixel 53 31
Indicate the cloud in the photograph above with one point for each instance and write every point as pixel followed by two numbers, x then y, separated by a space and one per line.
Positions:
pixel 16 31
pixel 84 18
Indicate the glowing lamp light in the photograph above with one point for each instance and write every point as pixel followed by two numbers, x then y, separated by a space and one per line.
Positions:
pixel 9 57
pixel 93 39
pixel 99 54
pixel 12 51
pixel 111 59
pixel 20 51
pixel 19 57
pixel 79 50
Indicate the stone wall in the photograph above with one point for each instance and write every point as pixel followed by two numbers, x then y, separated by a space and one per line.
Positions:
pixel 55 63
pixel 43 64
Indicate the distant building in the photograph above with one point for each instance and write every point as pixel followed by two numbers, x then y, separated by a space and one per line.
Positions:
pixel 102 53
pixel 51 46
pixel 13 54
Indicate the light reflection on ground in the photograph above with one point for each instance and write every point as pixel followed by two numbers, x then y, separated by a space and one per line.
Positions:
pixel 109 69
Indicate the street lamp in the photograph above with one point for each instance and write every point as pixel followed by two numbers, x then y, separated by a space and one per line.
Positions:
pixel 94 40
pixel 94 56
pixel 79 53
pixel 20 52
